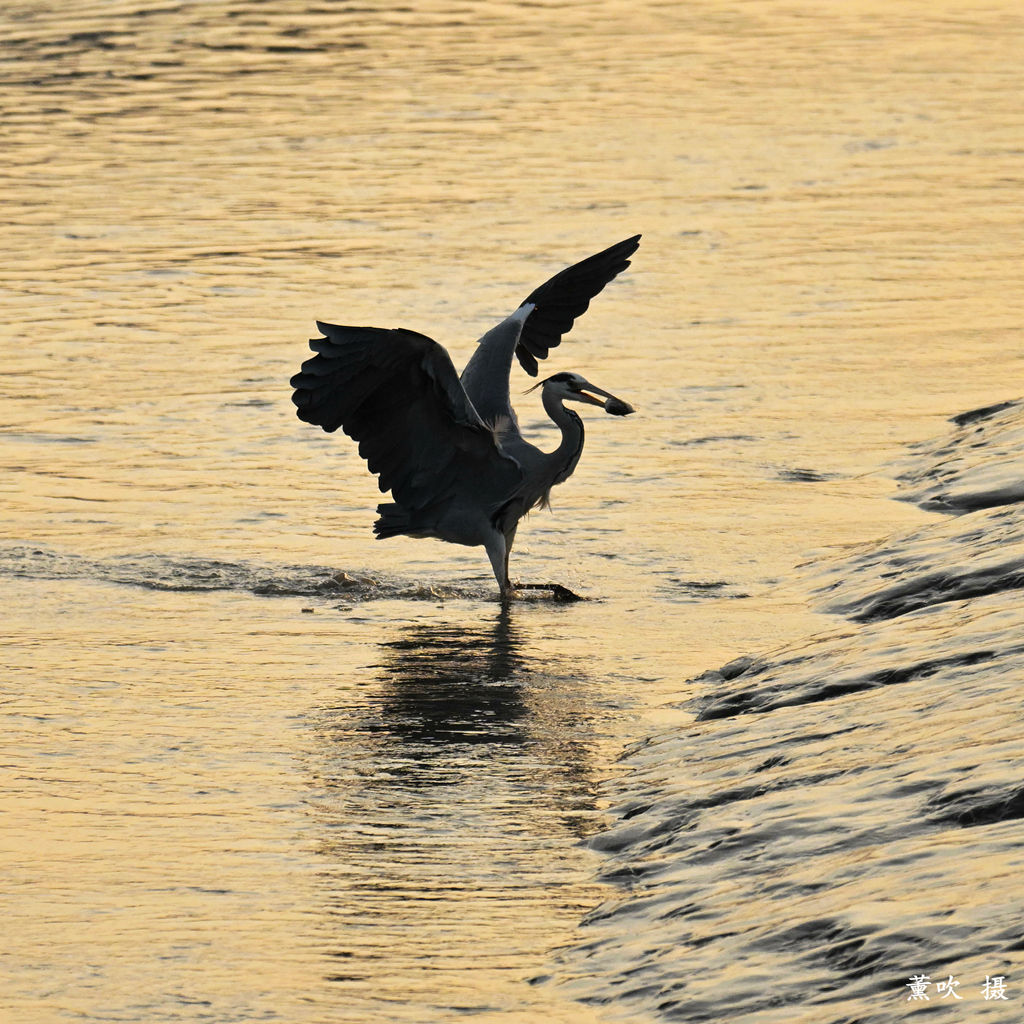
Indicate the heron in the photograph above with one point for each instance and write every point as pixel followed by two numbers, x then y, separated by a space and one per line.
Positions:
pixel 449 448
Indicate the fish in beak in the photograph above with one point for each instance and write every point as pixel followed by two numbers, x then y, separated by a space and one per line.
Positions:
pixel 588 393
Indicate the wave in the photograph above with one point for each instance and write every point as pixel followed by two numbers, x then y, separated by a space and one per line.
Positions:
pixel 798 851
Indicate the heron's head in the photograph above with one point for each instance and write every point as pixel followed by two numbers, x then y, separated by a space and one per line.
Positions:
pixel 571 387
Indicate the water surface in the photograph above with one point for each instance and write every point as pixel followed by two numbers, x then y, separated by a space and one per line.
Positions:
pixel 262 767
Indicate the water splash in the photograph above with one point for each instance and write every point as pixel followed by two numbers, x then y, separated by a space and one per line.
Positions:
pixel 160 572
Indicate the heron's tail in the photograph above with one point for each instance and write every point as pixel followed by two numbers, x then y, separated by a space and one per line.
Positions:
pixel 394 520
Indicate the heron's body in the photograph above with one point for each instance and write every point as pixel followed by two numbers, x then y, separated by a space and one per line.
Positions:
pixel 449 448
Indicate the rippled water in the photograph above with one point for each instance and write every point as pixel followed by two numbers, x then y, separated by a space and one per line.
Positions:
pixel 259 766
pixel 841 815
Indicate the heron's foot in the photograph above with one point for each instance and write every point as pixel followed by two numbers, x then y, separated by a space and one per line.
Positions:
pixel 558 592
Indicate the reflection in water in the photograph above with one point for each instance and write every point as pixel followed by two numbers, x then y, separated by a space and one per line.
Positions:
pixel 442 683
pixel 458 753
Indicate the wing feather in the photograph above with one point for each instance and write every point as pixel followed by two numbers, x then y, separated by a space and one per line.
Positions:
pixel 560 301
pixel 531 333
pixel 396 393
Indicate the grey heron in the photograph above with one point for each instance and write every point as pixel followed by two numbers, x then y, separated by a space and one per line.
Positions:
pixel 449 447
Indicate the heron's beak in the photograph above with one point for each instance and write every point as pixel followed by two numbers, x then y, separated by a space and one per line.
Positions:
pixel 616 406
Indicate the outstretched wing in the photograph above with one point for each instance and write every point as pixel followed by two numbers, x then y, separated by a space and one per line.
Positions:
pixel 558 302
pixel 397 394
pixel 536 327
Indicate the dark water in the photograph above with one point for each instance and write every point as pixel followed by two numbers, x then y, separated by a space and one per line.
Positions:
pixel 843 814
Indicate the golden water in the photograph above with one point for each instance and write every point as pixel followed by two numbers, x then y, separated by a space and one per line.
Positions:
pixel 229 796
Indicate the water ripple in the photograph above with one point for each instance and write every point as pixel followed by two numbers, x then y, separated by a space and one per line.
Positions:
pixel 812 824
pixel 159 572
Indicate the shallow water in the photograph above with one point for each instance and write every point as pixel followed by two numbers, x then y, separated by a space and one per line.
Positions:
pixel 261 767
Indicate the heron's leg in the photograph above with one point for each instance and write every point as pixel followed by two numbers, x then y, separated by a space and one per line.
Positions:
pixel 497 552
pixel 558 592
pixel 510 538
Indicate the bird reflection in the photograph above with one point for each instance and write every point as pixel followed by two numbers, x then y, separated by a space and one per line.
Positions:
pixel 458 716
pixel 451 793
pixel 455 683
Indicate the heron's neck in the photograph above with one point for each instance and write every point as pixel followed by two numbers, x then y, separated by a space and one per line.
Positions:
pixel 564 458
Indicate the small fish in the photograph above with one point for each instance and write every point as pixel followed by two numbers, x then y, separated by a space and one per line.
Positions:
pixel 617 407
